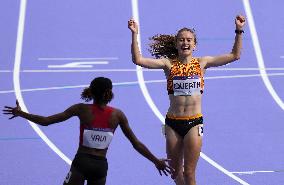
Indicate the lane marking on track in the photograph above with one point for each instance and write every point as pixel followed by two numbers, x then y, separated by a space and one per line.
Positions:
pixel 260 171
pixel 76 58
pixel 81 64
pixel 18 138
pixel 136 83
pixel 259 56
pixel 16 80
pixel 128 70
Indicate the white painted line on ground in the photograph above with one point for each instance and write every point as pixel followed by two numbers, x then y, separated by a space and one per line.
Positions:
pixel 259 171
pixel 242 76
pixel 80 70
pixel 16 79
pixel 128 70
pixel 136 83
pixel 245 69
pixel 79 64
pixel 74 58
pixel 5 71
pixel 259 56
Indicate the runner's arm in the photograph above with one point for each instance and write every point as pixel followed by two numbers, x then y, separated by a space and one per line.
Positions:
pixel 41 120
pixel 141 148
pixel 137 58
pixel 214 61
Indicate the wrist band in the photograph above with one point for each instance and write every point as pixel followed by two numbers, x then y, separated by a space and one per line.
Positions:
pixel 239 31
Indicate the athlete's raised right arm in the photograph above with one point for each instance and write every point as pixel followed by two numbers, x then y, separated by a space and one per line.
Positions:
pixel 137 58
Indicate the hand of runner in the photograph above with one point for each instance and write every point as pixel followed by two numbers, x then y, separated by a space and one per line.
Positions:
pixel 14 111
pixel 163 166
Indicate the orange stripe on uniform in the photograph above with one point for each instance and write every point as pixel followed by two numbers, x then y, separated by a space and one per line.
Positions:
pixel 184 117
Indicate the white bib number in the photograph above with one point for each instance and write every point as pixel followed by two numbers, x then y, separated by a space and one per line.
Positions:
pixel 186 85
pixel 97 139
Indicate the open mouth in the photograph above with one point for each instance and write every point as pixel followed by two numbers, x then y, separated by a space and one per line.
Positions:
pixel 186 48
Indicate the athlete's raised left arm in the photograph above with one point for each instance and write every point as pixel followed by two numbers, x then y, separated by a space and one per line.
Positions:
pixel 41 120
pixel 214 61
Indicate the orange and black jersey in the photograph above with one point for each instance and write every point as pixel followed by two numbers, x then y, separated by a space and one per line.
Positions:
pixel 179 69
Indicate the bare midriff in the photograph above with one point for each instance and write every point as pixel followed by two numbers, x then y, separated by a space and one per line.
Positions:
pixel 184 106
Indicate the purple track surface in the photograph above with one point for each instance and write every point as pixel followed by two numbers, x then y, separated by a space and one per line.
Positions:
pixel 65 44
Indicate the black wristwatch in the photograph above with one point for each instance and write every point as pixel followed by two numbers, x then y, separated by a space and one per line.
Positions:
pixel 239 31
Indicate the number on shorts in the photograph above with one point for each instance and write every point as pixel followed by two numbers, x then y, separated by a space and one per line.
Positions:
pixel 200 131
pixel 68 177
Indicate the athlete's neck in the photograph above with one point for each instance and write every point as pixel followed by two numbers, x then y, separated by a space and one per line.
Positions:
pixel 185 59
pixel 100 105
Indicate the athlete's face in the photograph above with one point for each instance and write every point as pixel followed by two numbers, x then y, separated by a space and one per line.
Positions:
pixel 185 43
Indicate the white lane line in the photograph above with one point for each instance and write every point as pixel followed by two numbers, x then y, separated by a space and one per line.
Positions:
pixel 5 71
pixel 128 70
pixel 242 76
pixel 45 89
pixel 139 72
pixel 156 110
pixel 136 83
pixel 254 172
pixel 78 70
pixel 246 69
pixel 16 79
pixel 222 169
pixel 87 58
pixel 77 86
pixel 81 64
pixel 259 55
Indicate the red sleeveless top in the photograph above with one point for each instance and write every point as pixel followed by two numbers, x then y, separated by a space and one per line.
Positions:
pixel 100 121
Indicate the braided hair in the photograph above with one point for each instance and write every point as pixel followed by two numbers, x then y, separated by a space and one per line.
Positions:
pixel 99 90
pixel 164 46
